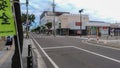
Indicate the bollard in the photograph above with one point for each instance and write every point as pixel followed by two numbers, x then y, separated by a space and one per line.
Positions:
pixel 30 57
pixel 29 50
pixel 29 62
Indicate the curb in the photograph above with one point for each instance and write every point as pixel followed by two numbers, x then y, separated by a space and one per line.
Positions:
pixel 38 58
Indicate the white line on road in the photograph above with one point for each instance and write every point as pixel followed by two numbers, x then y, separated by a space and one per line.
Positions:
pixel 97 54
pixel 112 59
pixel 53 63
pixel 57 47
pixel 102 46
pixel 85 51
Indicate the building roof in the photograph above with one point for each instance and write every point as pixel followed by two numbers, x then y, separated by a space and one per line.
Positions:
pixel 50 13
pixel 97 22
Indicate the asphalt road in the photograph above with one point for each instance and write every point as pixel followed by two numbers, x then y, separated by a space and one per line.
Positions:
pixel 69 52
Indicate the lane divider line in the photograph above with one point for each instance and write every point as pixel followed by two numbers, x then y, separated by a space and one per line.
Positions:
pixel 53 63
pixel 115 60
pixel 101 45
pixel 97 54
pixel 57 47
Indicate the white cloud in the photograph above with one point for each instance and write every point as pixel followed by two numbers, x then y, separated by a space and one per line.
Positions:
pixel 103 8
pixel 106 10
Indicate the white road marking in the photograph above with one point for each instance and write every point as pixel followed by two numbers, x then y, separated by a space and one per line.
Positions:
pixel 97 54
pixel 57 47
pixel 102 46
pixel 54 64
pixel 115 60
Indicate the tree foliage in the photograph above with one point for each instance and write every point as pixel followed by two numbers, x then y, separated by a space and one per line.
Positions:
pixel 31 18
pixel 49 25
pixel 43 27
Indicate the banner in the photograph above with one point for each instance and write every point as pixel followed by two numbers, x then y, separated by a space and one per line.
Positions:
pixel 7 25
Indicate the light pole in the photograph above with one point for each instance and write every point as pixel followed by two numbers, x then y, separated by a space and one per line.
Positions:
pixel 54 30
pixel 80 11
pixel 27 22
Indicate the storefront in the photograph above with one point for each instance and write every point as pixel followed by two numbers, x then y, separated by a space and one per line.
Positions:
pixel 115 31
pixel 63 31
pixel 94 30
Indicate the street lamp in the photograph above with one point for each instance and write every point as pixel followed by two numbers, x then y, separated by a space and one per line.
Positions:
pixel 54 30
pixel 27 22
pixel 80 11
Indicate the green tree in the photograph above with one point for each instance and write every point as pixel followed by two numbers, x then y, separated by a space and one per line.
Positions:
pixel 31 18
pixel 49 26
pixel 43 29
pixel 37 29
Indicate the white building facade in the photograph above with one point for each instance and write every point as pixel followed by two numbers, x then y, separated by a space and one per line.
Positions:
pixel 70 24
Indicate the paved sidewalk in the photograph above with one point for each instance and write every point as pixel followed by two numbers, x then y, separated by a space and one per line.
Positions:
pixel 25 53
pixel 113 41
pixel 5 58
pixel 6 55
pixel 2 44
pixel 38 60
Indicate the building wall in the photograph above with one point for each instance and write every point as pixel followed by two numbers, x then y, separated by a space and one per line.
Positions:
pixel 69 21
pixel 95 27
pixel 115 29
pixel 64 21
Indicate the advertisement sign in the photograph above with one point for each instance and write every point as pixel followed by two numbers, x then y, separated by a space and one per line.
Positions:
pixel 78 23
pixel 7 25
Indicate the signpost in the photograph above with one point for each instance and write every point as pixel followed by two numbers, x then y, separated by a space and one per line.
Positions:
pixel 7 25
pixel 8 28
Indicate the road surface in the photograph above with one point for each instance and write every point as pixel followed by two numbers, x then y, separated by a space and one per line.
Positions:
pixel 70 52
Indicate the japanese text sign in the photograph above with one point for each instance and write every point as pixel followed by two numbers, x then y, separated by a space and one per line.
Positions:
pixel 7 25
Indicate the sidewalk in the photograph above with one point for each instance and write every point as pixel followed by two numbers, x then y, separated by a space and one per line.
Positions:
pixel 38 60
pixel 6 55
pixel 113 41
pixel 5 58
pixel 2 44
pixel 25 53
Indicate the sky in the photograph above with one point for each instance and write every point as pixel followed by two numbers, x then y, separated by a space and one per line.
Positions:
pixel 97 10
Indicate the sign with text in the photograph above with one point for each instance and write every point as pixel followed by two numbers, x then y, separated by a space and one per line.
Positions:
pixel 7 25
pixel 78 23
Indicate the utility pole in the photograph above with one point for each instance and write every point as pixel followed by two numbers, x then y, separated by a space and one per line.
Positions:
pixel 17 59
pixel 27 21
pixel 54 30
pixel 80 11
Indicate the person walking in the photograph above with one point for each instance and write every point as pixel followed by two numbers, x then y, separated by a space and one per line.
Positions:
pixel 8 43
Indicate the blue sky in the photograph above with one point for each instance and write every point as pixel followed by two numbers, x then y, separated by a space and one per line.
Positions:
pixel 99 10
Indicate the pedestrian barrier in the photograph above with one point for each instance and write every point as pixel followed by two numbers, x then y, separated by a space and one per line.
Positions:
pixel 30 57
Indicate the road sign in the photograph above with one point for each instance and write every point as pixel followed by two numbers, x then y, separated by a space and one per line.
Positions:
pixel 7 26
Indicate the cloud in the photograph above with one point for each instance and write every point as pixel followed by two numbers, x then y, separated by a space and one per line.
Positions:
pixel 106 10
